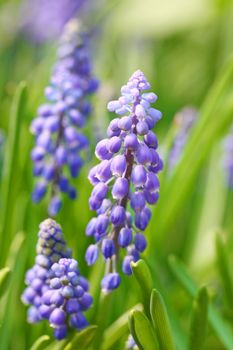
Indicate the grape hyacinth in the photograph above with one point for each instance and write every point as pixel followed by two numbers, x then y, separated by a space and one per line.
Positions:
pixel 184 120
pixel 66 299
pixel 51 247
pixel 56 154
pixel 228 158
pixel 125 181
pixel 44 20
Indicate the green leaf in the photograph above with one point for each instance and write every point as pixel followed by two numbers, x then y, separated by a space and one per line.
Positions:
pixel 161 321
pixel 4 279
pixel 82 340
pixel 10 165
pixel 117 330
pixel 220 327
pixel 224 268
pixel 143 276
pixel 39 342
pixel 142 331
pixel 199 320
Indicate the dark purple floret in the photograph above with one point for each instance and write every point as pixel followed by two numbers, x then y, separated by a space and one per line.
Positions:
pixel 125 181
pixel 59 141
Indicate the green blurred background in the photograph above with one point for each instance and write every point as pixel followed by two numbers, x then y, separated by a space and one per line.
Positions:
pixel 185 50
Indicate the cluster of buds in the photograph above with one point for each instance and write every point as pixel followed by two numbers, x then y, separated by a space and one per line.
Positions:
pixel 66 299
pixel 125 181
pixel 51 247
pixel 44 293
pixel 56 154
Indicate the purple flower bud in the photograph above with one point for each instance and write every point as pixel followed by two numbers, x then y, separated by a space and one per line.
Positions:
pixel 110 282
pixel 60 333
pixel 137 201
pixel 78 321
pixel 142 219
pixel 126 268
pixel 142 128
pixel 57 317
pixel 140 242
pixel 85 301
pixel 150 97
pixel 155 114
pixel 113 105
pixel 108 248
pixel 140 111
pixel 143 154
pixel 125 123
pixel 120 188
pixel 55 206
pixel 39 191
pixel 151 197
pixel 139 176
pixel 118 165
pixel 102 151
pixel 114 144
pixel 100 191
pixel 104 171
pixel 101 224
pixel 72 306
pixel 151 139
pixel 131 142
pixel 125 237
pixel 118 215
pixel 90 229
pixel 91 254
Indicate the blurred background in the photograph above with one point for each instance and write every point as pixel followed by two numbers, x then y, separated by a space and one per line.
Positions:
pixel 185 50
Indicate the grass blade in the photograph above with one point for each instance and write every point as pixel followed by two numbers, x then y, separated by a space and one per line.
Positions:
pixel 142 331
pixel 220 327
pixel 199 320
pixel 161 322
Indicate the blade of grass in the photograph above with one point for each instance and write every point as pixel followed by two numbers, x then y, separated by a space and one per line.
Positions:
pixel 199 320
pixel 161 321
pixel 220 327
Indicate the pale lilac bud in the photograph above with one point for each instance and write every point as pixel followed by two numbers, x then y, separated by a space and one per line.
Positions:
pixel 120 188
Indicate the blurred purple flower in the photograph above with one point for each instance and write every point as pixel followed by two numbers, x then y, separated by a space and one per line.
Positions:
pixel 184 121
pixel 44 20
pixel 56 127
pixel 228 158
pixel 127 174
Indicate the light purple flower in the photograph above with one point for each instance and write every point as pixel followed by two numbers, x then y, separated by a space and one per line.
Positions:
pixel 59 141
pixel 125 182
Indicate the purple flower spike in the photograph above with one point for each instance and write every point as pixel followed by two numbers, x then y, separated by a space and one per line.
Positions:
pixel 55 289
pixel 57 127
pixel 125 182
pixel 51 247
